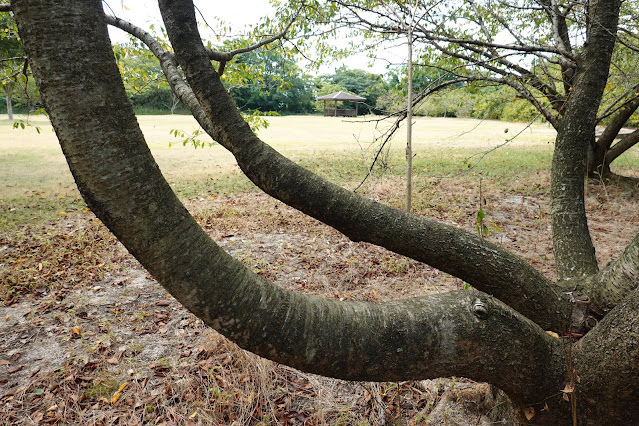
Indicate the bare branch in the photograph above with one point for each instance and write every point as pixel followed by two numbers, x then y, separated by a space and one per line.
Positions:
pixel 15 58
pixel 227 56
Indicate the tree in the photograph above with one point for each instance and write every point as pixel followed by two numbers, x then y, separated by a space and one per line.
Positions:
pixel 495 333
pixel 12 60
pixel 279 86
pixel 537 47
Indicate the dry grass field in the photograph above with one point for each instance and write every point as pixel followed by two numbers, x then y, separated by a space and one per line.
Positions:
pixel 87 337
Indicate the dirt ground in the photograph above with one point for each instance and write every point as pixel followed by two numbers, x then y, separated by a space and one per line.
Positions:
pixel 114 348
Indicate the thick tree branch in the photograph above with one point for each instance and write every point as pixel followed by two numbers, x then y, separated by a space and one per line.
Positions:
pixel 475 260
pixel 416 249
pixel 626 142
pixel 615 125
pixel 605 361
pixel 618 279
pixel 559 26
pixel 466 333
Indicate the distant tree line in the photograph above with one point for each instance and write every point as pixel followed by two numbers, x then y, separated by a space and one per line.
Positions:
pixel 281 86
pixel 277 85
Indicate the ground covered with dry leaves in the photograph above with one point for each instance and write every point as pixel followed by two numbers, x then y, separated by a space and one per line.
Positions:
pixel 87 337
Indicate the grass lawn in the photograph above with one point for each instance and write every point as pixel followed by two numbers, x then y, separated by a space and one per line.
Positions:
pixel 37 183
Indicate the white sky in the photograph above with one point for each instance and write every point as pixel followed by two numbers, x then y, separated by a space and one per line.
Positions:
pixel 239 13
pixel 143 13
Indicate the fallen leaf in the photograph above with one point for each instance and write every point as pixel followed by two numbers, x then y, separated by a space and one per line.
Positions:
pixel 553 334
pixel 116 396
pixel 112 361
pixel 529 413
pixel 15 369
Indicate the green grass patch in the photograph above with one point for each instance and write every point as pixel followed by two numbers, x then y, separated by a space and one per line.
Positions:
pixel 505 164
pixel 38 186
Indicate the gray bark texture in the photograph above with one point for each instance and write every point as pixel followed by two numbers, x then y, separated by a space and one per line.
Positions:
pixel 465 333
pixel 574 252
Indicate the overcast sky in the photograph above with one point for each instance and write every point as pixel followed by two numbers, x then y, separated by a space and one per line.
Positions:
pixel 238 13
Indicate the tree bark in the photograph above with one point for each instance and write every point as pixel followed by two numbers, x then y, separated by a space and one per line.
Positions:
pixel 613 283
pixel 606 362
pixel 626 142
pixel 574 252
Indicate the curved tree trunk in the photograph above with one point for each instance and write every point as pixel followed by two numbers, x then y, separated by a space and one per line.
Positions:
pixel 485 266
pixel 482 264
pixel 465 333
pixel 607 392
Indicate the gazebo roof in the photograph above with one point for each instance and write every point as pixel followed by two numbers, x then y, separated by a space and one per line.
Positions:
pixel 341 96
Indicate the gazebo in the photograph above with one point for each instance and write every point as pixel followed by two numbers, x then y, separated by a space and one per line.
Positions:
pixel 340 97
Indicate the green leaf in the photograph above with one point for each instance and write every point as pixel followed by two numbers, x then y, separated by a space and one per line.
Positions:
pixel 480 215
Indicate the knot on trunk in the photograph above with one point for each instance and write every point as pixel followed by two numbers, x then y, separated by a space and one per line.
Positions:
pixel 479 309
